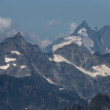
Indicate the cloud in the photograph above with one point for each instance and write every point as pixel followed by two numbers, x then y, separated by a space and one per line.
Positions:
pixel 73 26
pixel 53 23
pixel 7 30
pixel 5 23
pixel 34 38
pixel 45 43
pixel 61 35
pixel 11 32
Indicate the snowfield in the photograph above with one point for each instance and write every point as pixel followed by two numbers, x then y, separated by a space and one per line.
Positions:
pixel 101 70
pixel 68 41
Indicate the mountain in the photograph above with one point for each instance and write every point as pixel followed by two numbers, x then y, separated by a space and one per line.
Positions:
pixel 88 74
pixel 84 36
pixel 33 80
pixel 22 84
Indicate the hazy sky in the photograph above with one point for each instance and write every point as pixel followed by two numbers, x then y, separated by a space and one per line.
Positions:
pixel 51 18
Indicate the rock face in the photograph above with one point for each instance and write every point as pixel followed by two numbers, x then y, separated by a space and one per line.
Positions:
pixel 74 107
pixel 100 102
pixel 32 80
pixel 33 93
pixel 105 35
pixel 4 106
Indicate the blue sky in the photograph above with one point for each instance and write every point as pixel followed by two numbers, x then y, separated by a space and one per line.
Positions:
pixel 51 18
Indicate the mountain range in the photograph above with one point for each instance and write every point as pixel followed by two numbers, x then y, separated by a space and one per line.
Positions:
pixel 72 70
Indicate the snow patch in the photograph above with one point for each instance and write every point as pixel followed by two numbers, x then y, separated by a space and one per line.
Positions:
pixel 102 70
pixel 49 81
pixel 50 59
pixel 23 66
pixel 107 50
pixel 16 52
pixel 61 89
pixel 74 39
pixel 14 64
pixel 9 59
pixel 68 41
pixel 58 58
pixel 83 32
pixel 5 67
pixel 102 41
